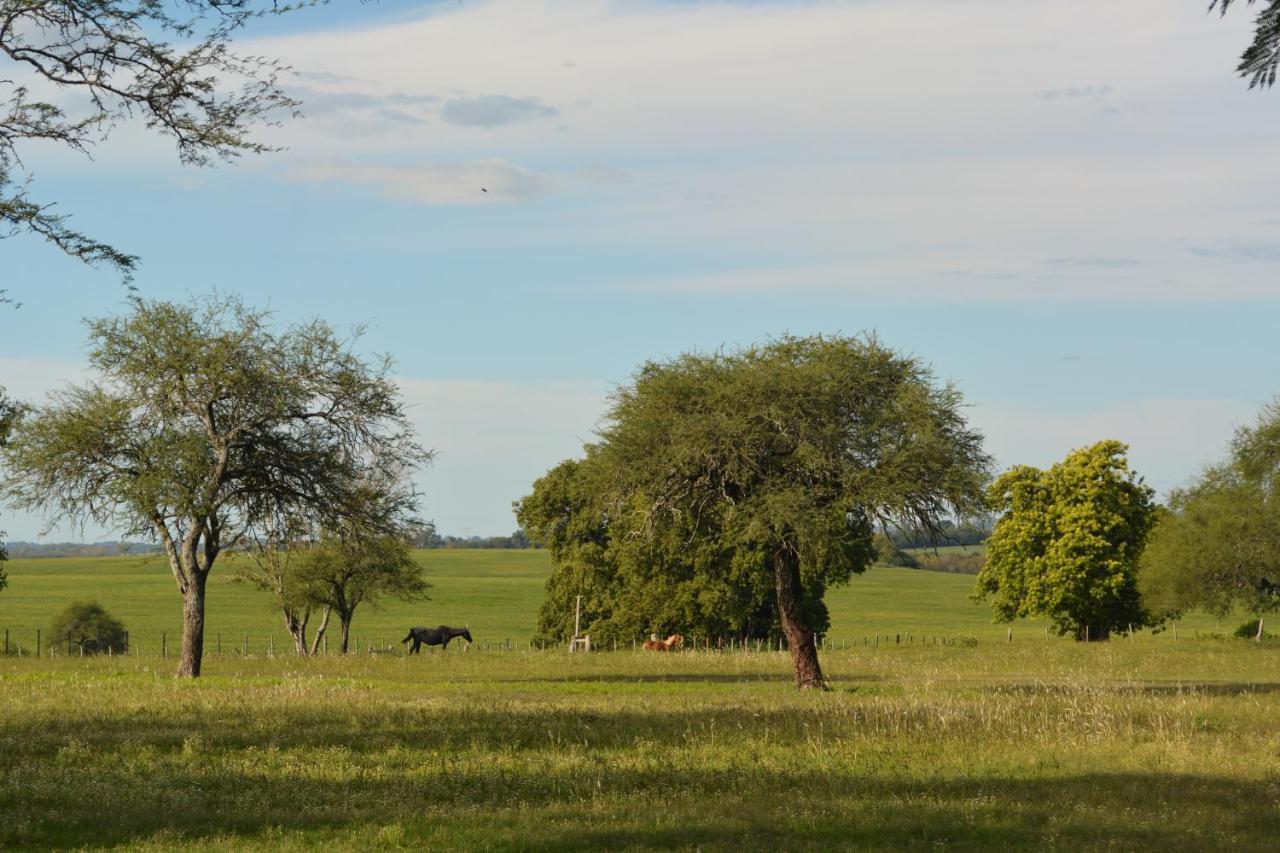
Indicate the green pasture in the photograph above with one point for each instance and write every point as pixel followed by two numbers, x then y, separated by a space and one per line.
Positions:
pixel 1126 745
pixel 496 593
pixel 1148 743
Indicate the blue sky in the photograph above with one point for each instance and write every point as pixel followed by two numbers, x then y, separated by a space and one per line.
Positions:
pixel 1068 209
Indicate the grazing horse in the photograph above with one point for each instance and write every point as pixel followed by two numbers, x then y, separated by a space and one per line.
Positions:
pixel 675 641
pixel 435 636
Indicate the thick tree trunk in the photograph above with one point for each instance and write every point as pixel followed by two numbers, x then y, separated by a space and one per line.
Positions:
pixel 800 639
pixel 192 626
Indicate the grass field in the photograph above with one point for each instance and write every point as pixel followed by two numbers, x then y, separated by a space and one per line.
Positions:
pixel 1135 744
pixel 497 593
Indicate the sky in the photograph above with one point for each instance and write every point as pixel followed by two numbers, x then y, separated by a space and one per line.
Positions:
pixel 1067 209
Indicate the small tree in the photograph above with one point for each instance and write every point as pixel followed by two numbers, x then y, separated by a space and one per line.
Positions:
pixel 347 568
pixel 1067 542
pixel 210 423
pixel 889 554
pixel 87 627
pixel 1218 546
pixel 276 554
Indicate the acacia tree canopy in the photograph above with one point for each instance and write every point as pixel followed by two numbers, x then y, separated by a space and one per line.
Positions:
pixel 1218 547
pixel 1067 542
pixel 169 65
pixel 208 423
pixel 782 457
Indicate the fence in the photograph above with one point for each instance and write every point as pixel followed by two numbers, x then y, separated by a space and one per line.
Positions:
pixel 26 642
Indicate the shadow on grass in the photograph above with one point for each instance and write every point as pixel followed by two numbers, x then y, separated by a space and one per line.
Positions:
pixel 1173 688
pixel 674 678
pixel 612 808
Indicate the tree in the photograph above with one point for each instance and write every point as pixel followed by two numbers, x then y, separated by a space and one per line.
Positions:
pixel 632 586
pixel 1218 546
pixel 1261 58
pixel 349 567
pixel 10 411
pixel 208 423
pixel 116 59
pixel 275 552
pixel 778 462
pixel 1067 542
pixel 88 627
pixel 889 554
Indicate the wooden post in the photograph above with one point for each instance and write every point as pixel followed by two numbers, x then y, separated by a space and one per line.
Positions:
pixel 1175 630
pixel 219 636
pixel 246 645
pixel 1009 636
pixel 164 645
pixel 1258 639
pixel 37 642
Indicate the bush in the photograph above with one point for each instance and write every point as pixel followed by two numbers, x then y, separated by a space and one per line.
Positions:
pixel 87 628
pixel 1249 631
pixel 889 554
pixel 960 564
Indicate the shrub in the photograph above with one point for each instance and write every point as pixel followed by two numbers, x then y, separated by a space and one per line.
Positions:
pixel 85 626
pixel 1249 631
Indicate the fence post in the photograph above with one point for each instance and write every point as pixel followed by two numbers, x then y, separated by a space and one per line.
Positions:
pixel 246 645
pixel 164 645
pixel 219 638
pixel 37 642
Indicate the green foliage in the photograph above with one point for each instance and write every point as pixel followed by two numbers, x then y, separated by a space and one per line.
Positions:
pixel 87 628
pixel 1261 58
pixel 94 64
pixel 343 570
pixel 889 554
pixel 1249 630
pixel 10 412
pixel 209 427
pixel 1067 542
pixel 719 476
pixel 1218 547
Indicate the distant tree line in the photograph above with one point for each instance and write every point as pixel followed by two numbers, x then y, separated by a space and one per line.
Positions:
pixel 38 550
pixel 423 534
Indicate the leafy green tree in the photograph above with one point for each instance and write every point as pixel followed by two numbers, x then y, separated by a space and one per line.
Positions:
pixel 10 411
pixel 773 465
pixel 1261 58
pixel 1218 546
pixel 349 567
pixel 208 423
pixel 633 586
pixel 171 65
pixel 1067 542
pixel 87 627
pixel 276 551
pixel 889 554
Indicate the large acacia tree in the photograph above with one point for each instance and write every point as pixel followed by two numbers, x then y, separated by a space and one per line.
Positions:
pixel 207 421
pixel 786 456
pixel 72 70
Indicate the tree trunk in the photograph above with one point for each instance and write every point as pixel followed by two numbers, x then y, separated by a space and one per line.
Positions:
pixel 800 639
pixel 320 631
pixel 345 621
pixel 297 628
pixel 192 626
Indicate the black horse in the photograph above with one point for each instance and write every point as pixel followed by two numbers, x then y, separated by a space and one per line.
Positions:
pixel 435 636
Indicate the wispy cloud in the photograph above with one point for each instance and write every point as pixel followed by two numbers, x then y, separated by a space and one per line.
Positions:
pixel 1266 251
pixel 467 183
pixel 494 111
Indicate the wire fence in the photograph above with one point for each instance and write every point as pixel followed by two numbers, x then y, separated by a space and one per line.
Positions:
pixel 26 642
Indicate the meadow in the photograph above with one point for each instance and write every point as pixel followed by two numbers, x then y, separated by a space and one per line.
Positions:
pixel 1147 743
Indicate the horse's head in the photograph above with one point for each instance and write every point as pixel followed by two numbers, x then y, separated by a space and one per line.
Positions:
pixel 466 635
pixel 676 641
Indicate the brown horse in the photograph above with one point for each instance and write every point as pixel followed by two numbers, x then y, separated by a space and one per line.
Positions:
pixel 675 641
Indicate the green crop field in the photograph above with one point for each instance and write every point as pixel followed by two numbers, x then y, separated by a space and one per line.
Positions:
pixel 1148 743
